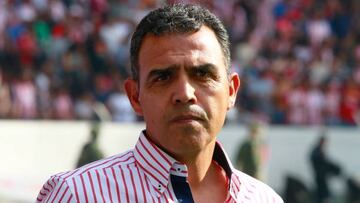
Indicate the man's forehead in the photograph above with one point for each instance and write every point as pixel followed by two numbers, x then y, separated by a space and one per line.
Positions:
pixel 203 40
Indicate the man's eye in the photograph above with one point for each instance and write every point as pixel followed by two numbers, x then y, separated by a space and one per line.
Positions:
pixel 201 73
pixel 162 77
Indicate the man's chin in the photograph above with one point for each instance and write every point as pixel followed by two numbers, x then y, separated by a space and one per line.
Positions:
pixel 192 128
pixel 190 135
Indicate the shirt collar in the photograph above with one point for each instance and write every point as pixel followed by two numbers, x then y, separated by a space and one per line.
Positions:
pixel 158 165
pixel 223 160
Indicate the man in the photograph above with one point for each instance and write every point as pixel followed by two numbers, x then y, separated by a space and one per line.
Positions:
pixel 182 86
pixel 91 151
pixel 249 156
pixel 323 169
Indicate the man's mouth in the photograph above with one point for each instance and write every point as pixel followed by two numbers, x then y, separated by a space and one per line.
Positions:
pixel 186 119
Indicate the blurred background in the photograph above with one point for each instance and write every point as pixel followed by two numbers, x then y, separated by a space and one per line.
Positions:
pixel 63 62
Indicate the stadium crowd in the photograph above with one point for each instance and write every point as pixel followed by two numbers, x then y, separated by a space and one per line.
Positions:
pixel 299 60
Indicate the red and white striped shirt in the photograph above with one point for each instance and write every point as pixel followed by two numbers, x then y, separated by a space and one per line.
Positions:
pixel 143 175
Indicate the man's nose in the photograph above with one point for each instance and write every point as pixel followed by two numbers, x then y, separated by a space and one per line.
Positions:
pixel 183 91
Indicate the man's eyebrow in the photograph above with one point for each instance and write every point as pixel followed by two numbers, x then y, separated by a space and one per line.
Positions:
pixel 158 71
pixel 207 67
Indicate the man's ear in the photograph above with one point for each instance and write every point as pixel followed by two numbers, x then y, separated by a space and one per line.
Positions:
pixel 132 91
pixel 234 85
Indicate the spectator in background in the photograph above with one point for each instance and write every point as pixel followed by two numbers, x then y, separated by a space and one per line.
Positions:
pixel 350 101
pixel 332 103
pixel 75 70
pixel 5 99
pixel 297 102
pixel 318 28
pixel 314 105
pixel 62 106
pixel 114 32
pixel 261 88
pixel 119 104
pixel 279 99
pixel 24 94
pixel 87 108
pixel 83 107
pixel 43 87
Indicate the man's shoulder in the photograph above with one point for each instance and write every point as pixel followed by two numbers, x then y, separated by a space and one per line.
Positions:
pixel 100 166
pixel 252 188
pixel 63 185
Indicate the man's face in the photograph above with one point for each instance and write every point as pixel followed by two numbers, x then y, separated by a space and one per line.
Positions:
pixel 183 91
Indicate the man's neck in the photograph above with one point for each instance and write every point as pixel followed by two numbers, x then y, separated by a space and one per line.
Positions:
pixel 199 167
pixel 206 175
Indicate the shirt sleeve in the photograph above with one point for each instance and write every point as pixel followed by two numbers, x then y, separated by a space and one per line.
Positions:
pixel 56 190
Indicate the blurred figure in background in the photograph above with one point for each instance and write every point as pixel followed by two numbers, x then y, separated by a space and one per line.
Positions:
pixel 353 190
pixel 296 190
pixel 252 151
pixel 323 169
pixel 24 96
pixel 119 104
pixel 5 100
pixel 91 151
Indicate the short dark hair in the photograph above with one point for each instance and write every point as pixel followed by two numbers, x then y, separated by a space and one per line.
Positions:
pixel 177 18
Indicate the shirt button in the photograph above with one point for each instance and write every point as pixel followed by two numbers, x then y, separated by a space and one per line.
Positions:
pixel 178 169
pixel 159 187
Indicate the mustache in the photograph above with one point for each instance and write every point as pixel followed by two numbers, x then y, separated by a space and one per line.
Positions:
pixel 190 111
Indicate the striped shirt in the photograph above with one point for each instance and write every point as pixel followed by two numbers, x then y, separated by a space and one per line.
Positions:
pixel 146 174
